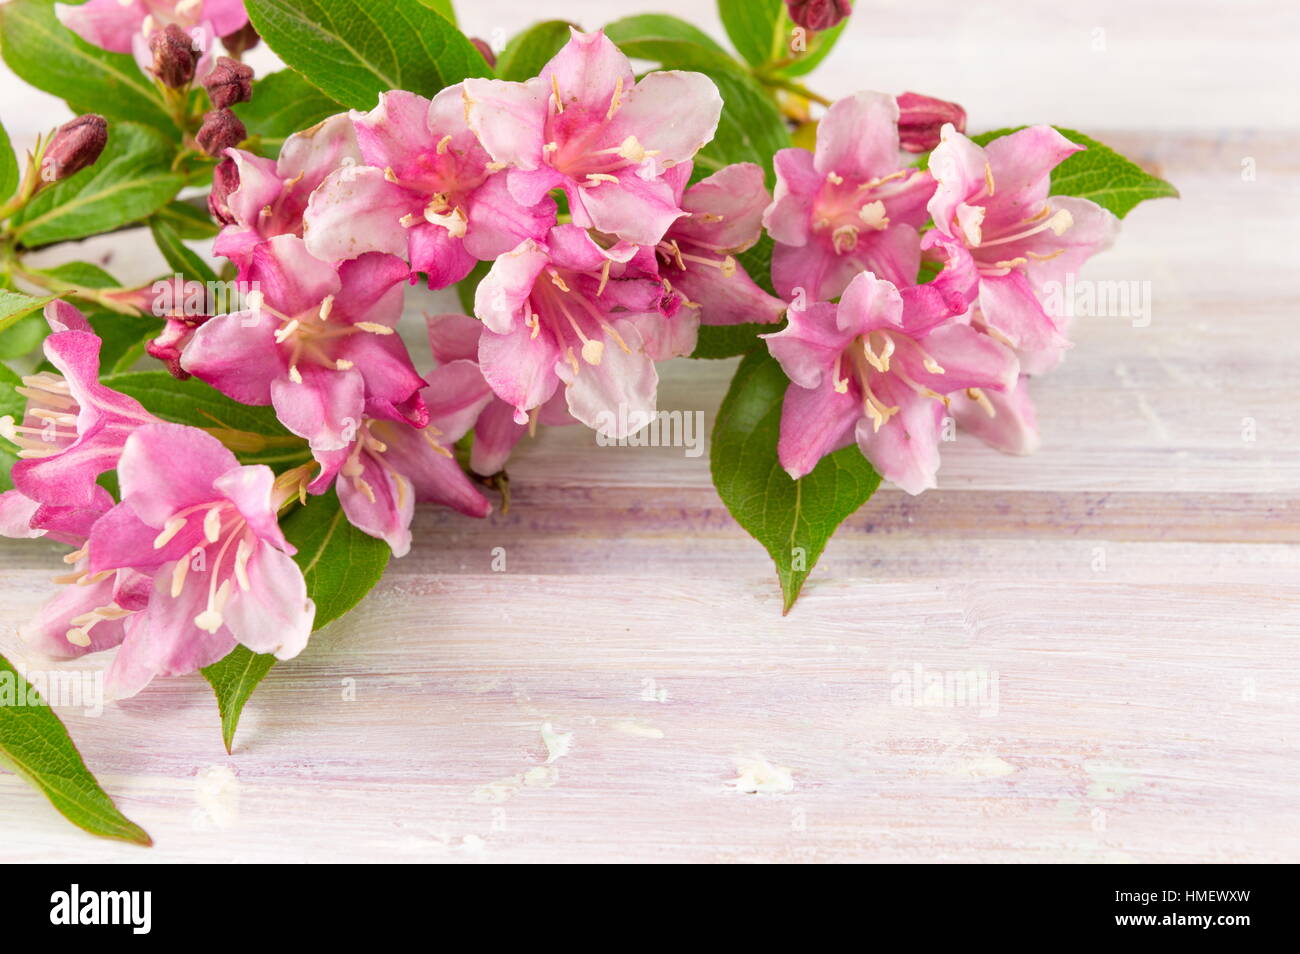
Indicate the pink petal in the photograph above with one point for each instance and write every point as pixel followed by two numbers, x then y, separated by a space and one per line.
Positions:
pixel 316 152
pixel 905 450
pixel 1008 304
pixel 259 186
pixel 168 467
pixel 226 16
pixel 1013 426
pixel 808 347
pixel 509 119
pixel 961 171
pixel 797 185
pixel 357 210
pixel 290 277
pixel 62 316
pixel 383 507
pixel 505 289
pixel 868 304
pixel 725 210
pixel 815 422
pixel 274 614
pixel 671 113
pixel 453 337
pixel 586 71
pixel 435 477
pixel 457 392
pixel 969 358
pixel 1022 165
pixel 727 300
pixel 16 512
pixel 632 208
pixel 519 367
pixel 47 632
pixel 108 24
pixel 250 489
pixel 858 137
pixel 395 134
pixel 325 409
pixel 237 354
pixel 439 254
pixel 617 396
pixel 495 436
pixel 371 289
pixel 497 222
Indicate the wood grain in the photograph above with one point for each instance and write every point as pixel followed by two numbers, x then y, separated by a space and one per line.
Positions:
pixel 1133 590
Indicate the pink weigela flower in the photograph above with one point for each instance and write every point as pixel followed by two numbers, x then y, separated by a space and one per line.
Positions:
pixel 585 125
pixel 573 312
pixel 316 343
pixel 425 193
pixel 259 198
pixel 125 26
pixel 724 216
pixel 877 369
pixel 848 206
pixel 205 530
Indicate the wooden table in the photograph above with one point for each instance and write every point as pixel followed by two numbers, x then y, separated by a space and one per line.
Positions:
pixel 1132 592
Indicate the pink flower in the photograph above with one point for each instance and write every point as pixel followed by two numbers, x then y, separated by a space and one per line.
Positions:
pixel 849 206
pixel 572 312
pixel 877 369
pixel 585 125
pixel 125 26
pixel 316 343
pixel 268 198
pixel 455 339
pixel 74 427
pixel 205 529
pixel 425 193
pixel 391 466
pixel 994 202
pixel 724 216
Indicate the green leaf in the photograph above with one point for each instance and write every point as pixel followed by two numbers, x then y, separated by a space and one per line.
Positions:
pixel 820 47
pixel 354 50
pixel 199 405
pixel 233 680
pixel 1099 173
pixel 51 57
pixel 340 565
pixel 527 52
pixel 179 256
pixel 187 221
pixel 8 166
pixel 283 103
pixel 793 519
pixel 15 405
pixel 36 746
pixel 14 305
pixel 752 26
pixel 728 341
pixel 443 8
pixel 651 27
pixel 467 286
pixel 131 180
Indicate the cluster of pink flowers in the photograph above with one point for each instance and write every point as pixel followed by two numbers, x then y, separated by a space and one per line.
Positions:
pixel 576 186
pixel 886 365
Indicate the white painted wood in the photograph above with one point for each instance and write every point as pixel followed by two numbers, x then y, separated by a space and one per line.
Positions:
pixel 1134 587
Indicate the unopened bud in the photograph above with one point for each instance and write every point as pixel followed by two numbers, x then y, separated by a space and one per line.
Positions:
pixel 174 56
pixel 225 180
pixel 171 342
pixel 241 41
pixel 483 47
pixel 817 15
pixel 920 118
pixel 75 145
pixel 229 82
pixel 221 129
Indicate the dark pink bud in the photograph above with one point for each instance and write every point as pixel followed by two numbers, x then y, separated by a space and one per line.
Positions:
pixel 169 344
pixel 817 15
pixel 225 180
pixel 229 82
pixel 174 56
pixel 241 41
pixel 482 47
pixel 920 119
pixel 75 145
pixel 221 129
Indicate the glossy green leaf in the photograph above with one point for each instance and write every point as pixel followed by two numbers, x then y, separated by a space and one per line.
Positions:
pixel 442 7
pixel 792 519
pixel 1100 174
pixel 187 262
pixel 233 680
pixel 15 305
pixel 353 50
pixel 283 103
pixel 49 56
pixel 188 221
pixel 131 180
pixel 819 47
pixel 340 565
pixel 35 745
pixel 528 51
pixel 9 173
pixel 752 26
pixel 15 405
pixel 649 28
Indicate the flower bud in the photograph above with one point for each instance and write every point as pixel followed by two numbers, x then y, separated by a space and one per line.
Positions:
pixel 229 82
pixel 920 118
pixel 171 342
pixel 75 145
pixel 817 15
pixel 221 129
pixel 483 47
pixel 225 180
pixel 241 41
pixel 174 56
